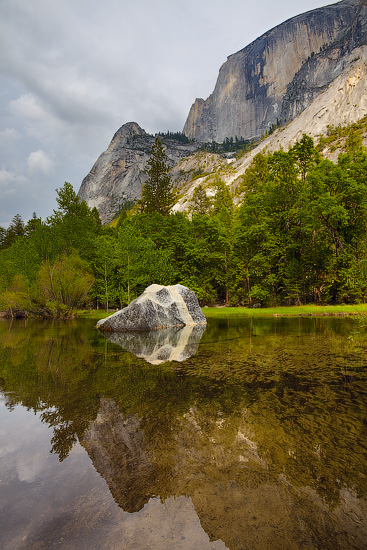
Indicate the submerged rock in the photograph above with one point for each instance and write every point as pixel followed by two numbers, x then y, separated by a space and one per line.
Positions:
pixel 158 307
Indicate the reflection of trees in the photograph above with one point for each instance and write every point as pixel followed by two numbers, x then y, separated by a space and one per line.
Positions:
pixel 46 366
pixel 64 433
pixel 273 400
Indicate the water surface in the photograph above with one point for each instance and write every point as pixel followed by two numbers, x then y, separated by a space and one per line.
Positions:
pixel 254 437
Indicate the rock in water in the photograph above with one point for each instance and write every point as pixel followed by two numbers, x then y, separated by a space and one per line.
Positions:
pixel 158 307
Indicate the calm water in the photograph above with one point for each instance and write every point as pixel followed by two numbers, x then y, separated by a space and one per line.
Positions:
pixel 252 437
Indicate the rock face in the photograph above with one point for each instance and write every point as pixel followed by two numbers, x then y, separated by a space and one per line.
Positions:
pixel 118 175
pixel 158 307
pixel 344 102
pixel 278 75
pixel 130 464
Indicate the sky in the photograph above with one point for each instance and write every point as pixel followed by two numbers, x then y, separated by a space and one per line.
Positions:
pixel 73 71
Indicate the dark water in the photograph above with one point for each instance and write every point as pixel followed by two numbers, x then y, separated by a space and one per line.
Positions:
pixel 253 437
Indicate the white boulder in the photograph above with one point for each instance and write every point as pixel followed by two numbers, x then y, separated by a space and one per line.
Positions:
pixel 158 307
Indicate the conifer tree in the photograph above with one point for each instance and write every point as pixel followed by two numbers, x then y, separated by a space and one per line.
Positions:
pixel 2 236
pixel 157 194
pixel 16 229
pixel 200 203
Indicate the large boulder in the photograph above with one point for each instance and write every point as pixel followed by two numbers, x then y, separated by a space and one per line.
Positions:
pixel 158 307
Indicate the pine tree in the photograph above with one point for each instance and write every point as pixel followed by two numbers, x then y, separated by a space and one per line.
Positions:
pixel 200 203
pixel 2 236
pixel 157 194
pixel 16 229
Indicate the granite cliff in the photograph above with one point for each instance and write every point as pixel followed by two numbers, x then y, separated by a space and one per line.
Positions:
pixel 343 103
pixel 277 76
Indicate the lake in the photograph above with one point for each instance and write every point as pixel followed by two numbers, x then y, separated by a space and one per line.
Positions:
pixel 249 435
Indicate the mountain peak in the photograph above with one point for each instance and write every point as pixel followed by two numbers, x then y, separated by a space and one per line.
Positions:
pixel 129 129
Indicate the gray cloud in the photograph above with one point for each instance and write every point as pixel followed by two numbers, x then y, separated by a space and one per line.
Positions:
pixel 72 72
pixel 40 162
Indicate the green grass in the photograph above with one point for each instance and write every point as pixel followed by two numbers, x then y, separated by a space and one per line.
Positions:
pixel 293 311
pixel 221 312
pixel 94 314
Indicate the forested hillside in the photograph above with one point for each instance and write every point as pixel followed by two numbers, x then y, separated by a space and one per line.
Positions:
pixel 299 236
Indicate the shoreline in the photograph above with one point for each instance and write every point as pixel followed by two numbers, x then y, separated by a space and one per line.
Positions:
pixel 282 311
pixel 223 312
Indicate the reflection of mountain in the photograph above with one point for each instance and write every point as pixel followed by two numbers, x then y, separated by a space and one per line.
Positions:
pixel 121 455
pixel 157 346
pixel 217 462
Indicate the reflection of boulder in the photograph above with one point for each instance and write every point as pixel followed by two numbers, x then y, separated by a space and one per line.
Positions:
pixel 157 346
pixel 158 307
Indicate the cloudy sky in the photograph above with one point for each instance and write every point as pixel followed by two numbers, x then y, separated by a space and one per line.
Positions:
pixel 73 71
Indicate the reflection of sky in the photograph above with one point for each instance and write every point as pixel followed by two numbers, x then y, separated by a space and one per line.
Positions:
pixel 69 505
pixel 26 443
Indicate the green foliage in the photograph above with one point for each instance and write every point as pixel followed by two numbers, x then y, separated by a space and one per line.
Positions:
pixel 21 258
pixel 157 194
pixel 122 206
pixel 59 244
pixel 74 225
pixel 58 291
pixel 177 136
pixel 104 265
pixel 16 299
pixel 222 200
pixel 63 287
pixel 140 263
pixel 340 136
pixel 302 227
pixel 299 237
pixel 200 202
pixel 238 144
pixel 15 230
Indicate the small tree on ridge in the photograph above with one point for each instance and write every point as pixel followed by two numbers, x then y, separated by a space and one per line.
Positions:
pixel 157 193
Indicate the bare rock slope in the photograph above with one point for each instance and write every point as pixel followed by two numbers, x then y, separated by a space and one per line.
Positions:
pixel 344 102
pixel 277 76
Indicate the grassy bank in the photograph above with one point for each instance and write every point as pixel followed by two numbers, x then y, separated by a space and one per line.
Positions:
pixel 96 314
pixel 294 311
